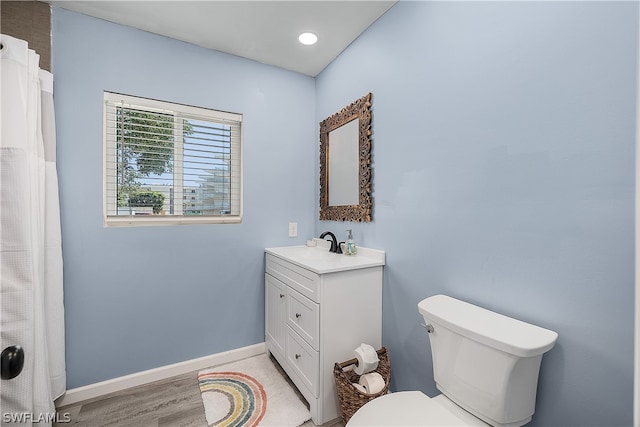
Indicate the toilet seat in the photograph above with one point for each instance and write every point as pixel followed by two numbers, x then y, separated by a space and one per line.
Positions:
pixel 412 408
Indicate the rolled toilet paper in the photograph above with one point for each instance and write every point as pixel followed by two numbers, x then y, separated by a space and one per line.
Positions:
pixel 359 387
pixel 372 382
pixel 367 358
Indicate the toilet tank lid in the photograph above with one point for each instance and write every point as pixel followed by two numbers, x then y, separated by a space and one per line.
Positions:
pixel 490 328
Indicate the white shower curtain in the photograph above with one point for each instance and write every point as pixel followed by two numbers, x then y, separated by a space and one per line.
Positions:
pixel 32 313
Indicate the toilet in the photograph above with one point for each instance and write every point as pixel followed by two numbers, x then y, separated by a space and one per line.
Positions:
pixel 485 364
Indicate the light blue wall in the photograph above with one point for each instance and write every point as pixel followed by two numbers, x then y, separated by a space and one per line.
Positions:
pixel 139 298
pixel 504 175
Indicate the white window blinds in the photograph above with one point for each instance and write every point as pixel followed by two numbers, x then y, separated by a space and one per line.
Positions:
pixel 170 163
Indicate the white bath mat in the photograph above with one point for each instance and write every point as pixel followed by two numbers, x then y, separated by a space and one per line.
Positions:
pixel 250 392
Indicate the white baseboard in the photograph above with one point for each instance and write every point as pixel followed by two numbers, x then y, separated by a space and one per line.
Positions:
pixel 102 388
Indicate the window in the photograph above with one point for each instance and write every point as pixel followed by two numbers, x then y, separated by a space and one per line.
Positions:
pixel 158 152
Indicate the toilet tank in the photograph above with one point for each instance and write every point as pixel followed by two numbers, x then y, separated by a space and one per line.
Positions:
pixel 485 362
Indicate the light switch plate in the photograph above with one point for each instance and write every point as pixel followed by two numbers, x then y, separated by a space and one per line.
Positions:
pixel 293 229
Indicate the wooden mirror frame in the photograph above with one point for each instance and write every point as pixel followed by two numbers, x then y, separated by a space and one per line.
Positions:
pixel 362 212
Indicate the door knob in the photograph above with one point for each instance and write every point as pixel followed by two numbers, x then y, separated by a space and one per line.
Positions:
pixel 11 362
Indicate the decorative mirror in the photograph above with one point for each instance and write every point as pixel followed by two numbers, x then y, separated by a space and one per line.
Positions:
pixel 345 163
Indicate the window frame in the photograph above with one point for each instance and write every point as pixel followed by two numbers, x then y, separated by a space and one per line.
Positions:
pixel 164 107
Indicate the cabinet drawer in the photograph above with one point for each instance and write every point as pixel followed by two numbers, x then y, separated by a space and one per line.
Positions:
pixel 303 316
pixel 304 361
pixel 304 281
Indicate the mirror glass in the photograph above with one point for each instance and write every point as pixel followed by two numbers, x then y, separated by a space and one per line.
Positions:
pixel 345 163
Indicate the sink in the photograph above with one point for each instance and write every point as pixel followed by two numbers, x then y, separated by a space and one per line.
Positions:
pixel 320 260
pixel 308 252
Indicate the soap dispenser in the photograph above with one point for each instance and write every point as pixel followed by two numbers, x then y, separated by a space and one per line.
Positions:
pixel 350 246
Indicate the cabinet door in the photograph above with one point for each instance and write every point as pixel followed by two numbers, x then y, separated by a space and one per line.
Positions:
pixel 275 313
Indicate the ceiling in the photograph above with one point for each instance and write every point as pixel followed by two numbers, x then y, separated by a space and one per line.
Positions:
pixel 265 31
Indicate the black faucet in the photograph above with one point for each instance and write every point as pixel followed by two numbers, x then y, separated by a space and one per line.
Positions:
pixel 334 242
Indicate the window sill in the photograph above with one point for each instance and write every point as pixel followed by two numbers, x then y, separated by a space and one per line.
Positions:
pixel 155 220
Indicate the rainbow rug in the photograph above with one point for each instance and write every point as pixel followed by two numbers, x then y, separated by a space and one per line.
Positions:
pixel 250 392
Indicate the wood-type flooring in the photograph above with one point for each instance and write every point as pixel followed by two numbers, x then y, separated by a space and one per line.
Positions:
pixel 173 402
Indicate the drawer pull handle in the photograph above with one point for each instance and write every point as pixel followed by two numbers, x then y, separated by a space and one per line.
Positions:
pixel 281 295
pixel 298 315
pixel 298 356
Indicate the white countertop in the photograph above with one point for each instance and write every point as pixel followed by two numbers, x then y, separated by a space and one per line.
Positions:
pixel 319 260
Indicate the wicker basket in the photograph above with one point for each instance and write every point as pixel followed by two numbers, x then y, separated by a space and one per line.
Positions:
pixel 350 398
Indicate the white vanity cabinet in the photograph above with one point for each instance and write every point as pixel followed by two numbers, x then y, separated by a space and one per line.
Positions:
pixel 320 306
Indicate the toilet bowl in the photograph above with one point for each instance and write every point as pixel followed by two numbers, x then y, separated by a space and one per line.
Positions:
pixel 463 337
pixel 412 408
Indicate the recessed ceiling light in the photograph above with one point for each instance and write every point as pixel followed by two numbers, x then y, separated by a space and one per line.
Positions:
pixel 308 38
